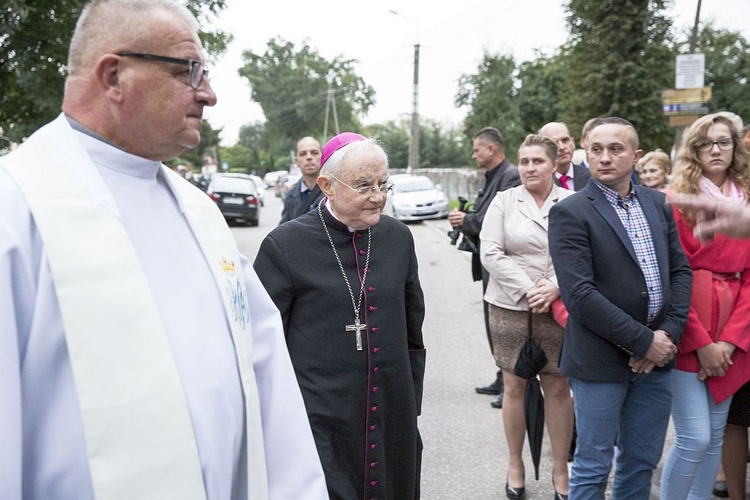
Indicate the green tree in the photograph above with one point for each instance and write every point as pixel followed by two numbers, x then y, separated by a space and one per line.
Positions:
pixel 439 146
pixel 239 159
pixel 394 136
pixel 270 152
pixel 252 138
pixel 209 146
pixel 442 146
pixel 490 97
pixel 291 85
pixel 727 69
pixel 618 58
pixel 540 85
pixel 34 40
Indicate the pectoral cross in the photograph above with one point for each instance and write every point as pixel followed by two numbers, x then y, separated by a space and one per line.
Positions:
pixel 357 327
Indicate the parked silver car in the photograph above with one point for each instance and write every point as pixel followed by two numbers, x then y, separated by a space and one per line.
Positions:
pixel 415 198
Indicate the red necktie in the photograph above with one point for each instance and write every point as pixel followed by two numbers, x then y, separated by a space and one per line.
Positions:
pixel 564 181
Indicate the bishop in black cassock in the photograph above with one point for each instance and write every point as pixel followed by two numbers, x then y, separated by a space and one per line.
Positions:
pixel 362 404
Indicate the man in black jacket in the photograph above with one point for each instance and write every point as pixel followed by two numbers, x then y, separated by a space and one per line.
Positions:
pixel 500 174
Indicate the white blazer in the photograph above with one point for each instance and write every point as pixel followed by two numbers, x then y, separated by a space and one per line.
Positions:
pixel 514 247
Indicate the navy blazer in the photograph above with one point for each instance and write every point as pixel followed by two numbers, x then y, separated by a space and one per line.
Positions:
pixel 581 176
pixel 293 202
pixel 603 286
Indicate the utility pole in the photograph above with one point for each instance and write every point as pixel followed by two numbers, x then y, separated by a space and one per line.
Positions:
pixel 694 36
pixel 414 143
pixel 331 103
pixel 678 131
pixel 414 140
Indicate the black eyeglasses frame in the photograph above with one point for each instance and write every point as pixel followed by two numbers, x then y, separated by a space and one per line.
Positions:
pixel 197 71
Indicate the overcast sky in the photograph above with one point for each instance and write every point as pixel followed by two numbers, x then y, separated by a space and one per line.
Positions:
pixel 453 38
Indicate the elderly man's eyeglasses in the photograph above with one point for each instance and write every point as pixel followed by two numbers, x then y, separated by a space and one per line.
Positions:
pixel 367 190
pixel 724 144
pixel 197 71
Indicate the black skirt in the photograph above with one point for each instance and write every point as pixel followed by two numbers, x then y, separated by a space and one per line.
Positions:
pixel 739 411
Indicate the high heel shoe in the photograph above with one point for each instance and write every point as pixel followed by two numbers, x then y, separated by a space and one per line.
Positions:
pixel 514 493
pixel 558 496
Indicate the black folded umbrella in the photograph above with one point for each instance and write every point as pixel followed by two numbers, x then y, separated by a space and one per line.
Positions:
pixel 530 362
pixel 533 409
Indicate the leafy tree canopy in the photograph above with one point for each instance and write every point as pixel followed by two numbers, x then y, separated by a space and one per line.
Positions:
pixel 618 58
pixel 540 85
pixel 291 85
pixel 490 97
pixel 727 69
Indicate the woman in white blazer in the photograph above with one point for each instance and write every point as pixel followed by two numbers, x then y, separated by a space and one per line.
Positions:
pixel 514 250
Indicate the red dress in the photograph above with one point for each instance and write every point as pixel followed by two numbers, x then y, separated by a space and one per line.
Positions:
pixel 719 307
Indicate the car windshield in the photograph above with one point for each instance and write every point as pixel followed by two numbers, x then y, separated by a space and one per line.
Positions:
pixel 418 184
pixel 233 185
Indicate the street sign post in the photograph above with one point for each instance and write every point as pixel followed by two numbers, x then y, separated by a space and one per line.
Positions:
pixel 684 106
pixel 690 70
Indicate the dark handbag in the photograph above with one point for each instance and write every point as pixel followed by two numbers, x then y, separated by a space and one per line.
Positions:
pixel 532 359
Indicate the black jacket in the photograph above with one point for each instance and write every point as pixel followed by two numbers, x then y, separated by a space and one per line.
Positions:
pixel 502 177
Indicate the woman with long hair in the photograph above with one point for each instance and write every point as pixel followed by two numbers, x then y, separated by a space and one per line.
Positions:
pixel 712 359
pixel 515 252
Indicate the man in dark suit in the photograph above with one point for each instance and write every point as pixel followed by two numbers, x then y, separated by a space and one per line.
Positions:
pixel 305 194
pixel 568 175
pixel 626 283
pixel 489 154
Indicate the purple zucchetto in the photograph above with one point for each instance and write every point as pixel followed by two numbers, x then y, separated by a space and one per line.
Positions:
pixel 337 142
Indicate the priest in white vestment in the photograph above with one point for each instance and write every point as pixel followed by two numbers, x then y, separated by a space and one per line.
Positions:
pixel 140 357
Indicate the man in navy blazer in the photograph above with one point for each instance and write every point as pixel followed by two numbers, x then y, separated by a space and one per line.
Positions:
pixel 626 283
pixel 567 175
pixel 305 195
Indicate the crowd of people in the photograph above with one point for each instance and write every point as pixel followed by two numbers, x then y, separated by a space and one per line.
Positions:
pixel 653 275
pixel 301 376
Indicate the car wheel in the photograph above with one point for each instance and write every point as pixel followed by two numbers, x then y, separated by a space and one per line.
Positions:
pixel 254 222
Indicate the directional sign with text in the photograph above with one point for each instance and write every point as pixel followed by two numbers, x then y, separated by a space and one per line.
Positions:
pixel 685 101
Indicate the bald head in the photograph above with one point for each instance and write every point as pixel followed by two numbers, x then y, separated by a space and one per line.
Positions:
pixel 150 101
pixel 111 26
pixel 558 132
pixel 307 159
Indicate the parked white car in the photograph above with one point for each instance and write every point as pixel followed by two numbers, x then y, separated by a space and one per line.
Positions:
pixel 271 177
pixel 261 189
pixel 416 197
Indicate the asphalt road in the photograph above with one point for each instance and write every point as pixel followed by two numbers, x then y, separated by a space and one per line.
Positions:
pixel 464 445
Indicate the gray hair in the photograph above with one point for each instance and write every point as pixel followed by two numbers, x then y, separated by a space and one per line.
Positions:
pixel 334 164
pixel 111 25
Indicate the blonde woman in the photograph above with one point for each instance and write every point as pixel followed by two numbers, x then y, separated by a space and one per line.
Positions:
pixel 712 360
pixel 654 169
